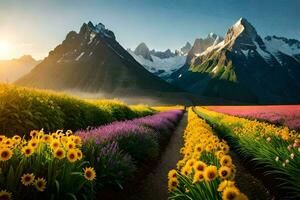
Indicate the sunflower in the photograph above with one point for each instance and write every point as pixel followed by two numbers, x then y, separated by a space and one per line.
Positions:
pixel 77 140
pixel 9 142
pixel 47 138
pixel 225 184
pixel 199 176
pixel 226 161
pixel 72 155
pixel 70 145
pixel 79 154
pixel 59 153
pixel 33 143
pixel 191 162
pixel 199 166
pixel 230 193
pixel 27 151
pixel 172 174
pixel 27 179
pixel 2 138
pixel 186 170
pixel 5 154
pixel 5 195
pixel 210 173
pixel 89 173
pixel 34 133
pixel 220 154
pixel 40 184
pixel 224 172
pixel 17 138
pixel 199 148
pixel 172 184
pixel 55 144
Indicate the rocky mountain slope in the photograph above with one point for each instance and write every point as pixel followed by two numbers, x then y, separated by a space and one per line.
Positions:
pixel 244 67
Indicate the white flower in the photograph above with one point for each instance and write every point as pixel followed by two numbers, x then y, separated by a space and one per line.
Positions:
pixel 269 139
pixel 283 164
pixel 292 156
pixel 287 161
pixel 277 158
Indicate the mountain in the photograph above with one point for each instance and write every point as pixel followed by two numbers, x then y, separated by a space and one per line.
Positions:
pixel 92 61
pixel 185 49
pixel 142 50
pixel 246 68
pixel 200 45
pixel 11 70
pixel 163 54
pixel 162 63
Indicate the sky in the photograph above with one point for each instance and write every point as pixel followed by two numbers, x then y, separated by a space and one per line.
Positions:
pixel 37 26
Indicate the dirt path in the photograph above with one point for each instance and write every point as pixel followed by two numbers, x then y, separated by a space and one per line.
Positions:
pixel 155 184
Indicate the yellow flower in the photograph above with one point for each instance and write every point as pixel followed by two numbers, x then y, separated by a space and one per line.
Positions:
pixel 191 162
pixel 46 138
pixel 172 174
pixel 5 195
pixel 172 184
pixel 2 138
pixel 40 184
pixel 27 179
pixel 225 184
pixel 89 173
pixel 210 173
pixel 34 133
pixel 55 144
pixel 77 140
pixel 70 145
pixel 230 193
pixel 199 148
pixel 79 154
pixel 186 170
pixel 59 153
pixel 199 176
pixel 72 155
pixel 27 151
pixel 33 143
pixel 199 166
pixel 5 154
pixel 226 161
pixel 224 172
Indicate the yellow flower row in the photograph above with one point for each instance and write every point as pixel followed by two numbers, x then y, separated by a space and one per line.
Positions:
pixel 261 129
pixel 61 145
pixel 205 162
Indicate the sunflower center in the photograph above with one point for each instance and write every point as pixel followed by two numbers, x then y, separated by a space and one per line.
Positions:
pixel 4 154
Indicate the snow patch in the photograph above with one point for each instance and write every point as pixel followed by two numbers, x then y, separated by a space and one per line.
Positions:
pixel 78 58
pixel 92 36
pixel 167 65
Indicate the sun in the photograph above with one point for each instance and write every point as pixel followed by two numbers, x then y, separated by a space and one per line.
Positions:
pixel 5 49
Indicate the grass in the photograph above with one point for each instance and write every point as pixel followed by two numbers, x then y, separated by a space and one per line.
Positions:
pixel 23 109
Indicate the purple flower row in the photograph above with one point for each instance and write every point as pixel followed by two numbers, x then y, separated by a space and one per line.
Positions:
pixel 163 121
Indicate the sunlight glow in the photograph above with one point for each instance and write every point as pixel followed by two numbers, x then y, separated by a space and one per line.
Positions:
pixel 5 50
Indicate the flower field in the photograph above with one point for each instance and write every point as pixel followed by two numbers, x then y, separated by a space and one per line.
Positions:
pixel 111 141
pixel 206 170
pixel 274 149
pixel 287 115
